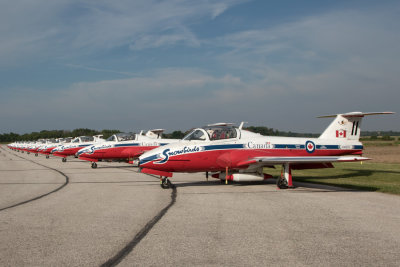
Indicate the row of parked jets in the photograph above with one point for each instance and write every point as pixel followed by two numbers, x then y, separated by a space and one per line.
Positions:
pixel 222 150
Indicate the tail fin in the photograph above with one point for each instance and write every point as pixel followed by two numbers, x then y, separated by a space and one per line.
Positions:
pixel 156 133
pixel 98 138
pixel 346 126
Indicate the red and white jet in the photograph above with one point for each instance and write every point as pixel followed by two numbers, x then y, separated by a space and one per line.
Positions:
pixel 123 147
pixel 239 155
pixel 51 144
pixel 66 150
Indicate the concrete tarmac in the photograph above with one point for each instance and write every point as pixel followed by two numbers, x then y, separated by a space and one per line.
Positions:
pixel 115 215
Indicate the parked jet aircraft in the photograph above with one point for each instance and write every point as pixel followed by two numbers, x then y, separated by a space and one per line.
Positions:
pixel 123 147
pixel 51 144
pixel 33 146
pixel 18 146
pixel 70 149
pixel 239 155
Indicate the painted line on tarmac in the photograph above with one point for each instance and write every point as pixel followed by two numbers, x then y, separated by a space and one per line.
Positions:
pixel 141 234
pixel 41 196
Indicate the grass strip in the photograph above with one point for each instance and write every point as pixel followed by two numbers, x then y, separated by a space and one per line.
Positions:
pixel 380 177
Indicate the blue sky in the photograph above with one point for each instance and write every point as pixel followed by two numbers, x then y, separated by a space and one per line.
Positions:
pixel 134 65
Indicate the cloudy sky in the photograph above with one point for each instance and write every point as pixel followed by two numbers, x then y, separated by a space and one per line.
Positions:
pixel 177 64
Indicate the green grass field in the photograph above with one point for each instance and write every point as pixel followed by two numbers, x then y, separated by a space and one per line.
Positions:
pixel 381 177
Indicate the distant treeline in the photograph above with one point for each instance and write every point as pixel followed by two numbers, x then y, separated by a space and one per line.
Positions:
pixel 380 133
pixel 45 134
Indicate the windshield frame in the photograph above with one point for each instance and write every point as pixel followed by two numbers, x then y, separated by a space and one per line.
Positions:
pixel 191 136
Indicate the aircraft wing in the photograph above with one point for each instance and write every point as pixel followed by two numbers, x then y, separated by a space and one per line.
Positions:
pixel 316 159
pixel 301 160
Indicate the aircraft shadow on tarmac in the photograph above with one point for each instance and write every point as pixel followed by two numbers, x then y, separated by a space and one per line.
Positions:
pixel 105 167
pixel 116 167
pixel 117 182
pixel 108 167
pixel 69 160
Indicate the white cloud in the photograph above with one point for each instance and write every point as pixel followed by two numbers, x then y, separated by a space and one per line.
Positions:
pixel 281 77
pixel 150 98
pixel 181 35
pixel 339 51
pixel 69 28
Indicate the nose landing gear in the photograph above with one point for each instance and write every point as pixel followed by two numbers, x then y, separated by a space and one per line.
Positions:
pixel 166 183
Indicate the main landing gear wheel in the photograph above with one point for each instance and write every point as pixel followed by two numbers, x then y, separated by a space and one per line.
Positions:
pixel 47 156
pixel 281 183
pixel 166 183
pixel 64 160
pixel 36 154
pixel 94 165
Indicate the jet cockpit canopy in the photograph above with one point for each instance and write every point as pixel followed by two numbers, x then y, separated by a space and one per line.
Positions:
pixel 83 139
pixel 121 137
pixel 213 132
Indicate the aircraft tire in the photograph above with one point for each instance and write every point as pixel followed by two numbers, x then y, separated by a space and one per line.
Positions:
pixel 64 160
pixel 94 165
pixel 166 183
pixel 281 183
pixel 36 154
pixel 47 156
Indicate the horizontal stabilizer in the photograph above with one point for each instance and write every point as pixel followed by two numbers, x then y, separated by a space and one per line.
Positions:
pixel 156 133
pixel 356 114
pixel 220 124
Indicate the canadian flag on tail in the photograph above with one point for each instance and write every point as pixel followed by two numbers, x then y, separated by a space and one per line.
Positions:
pixel 341 133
